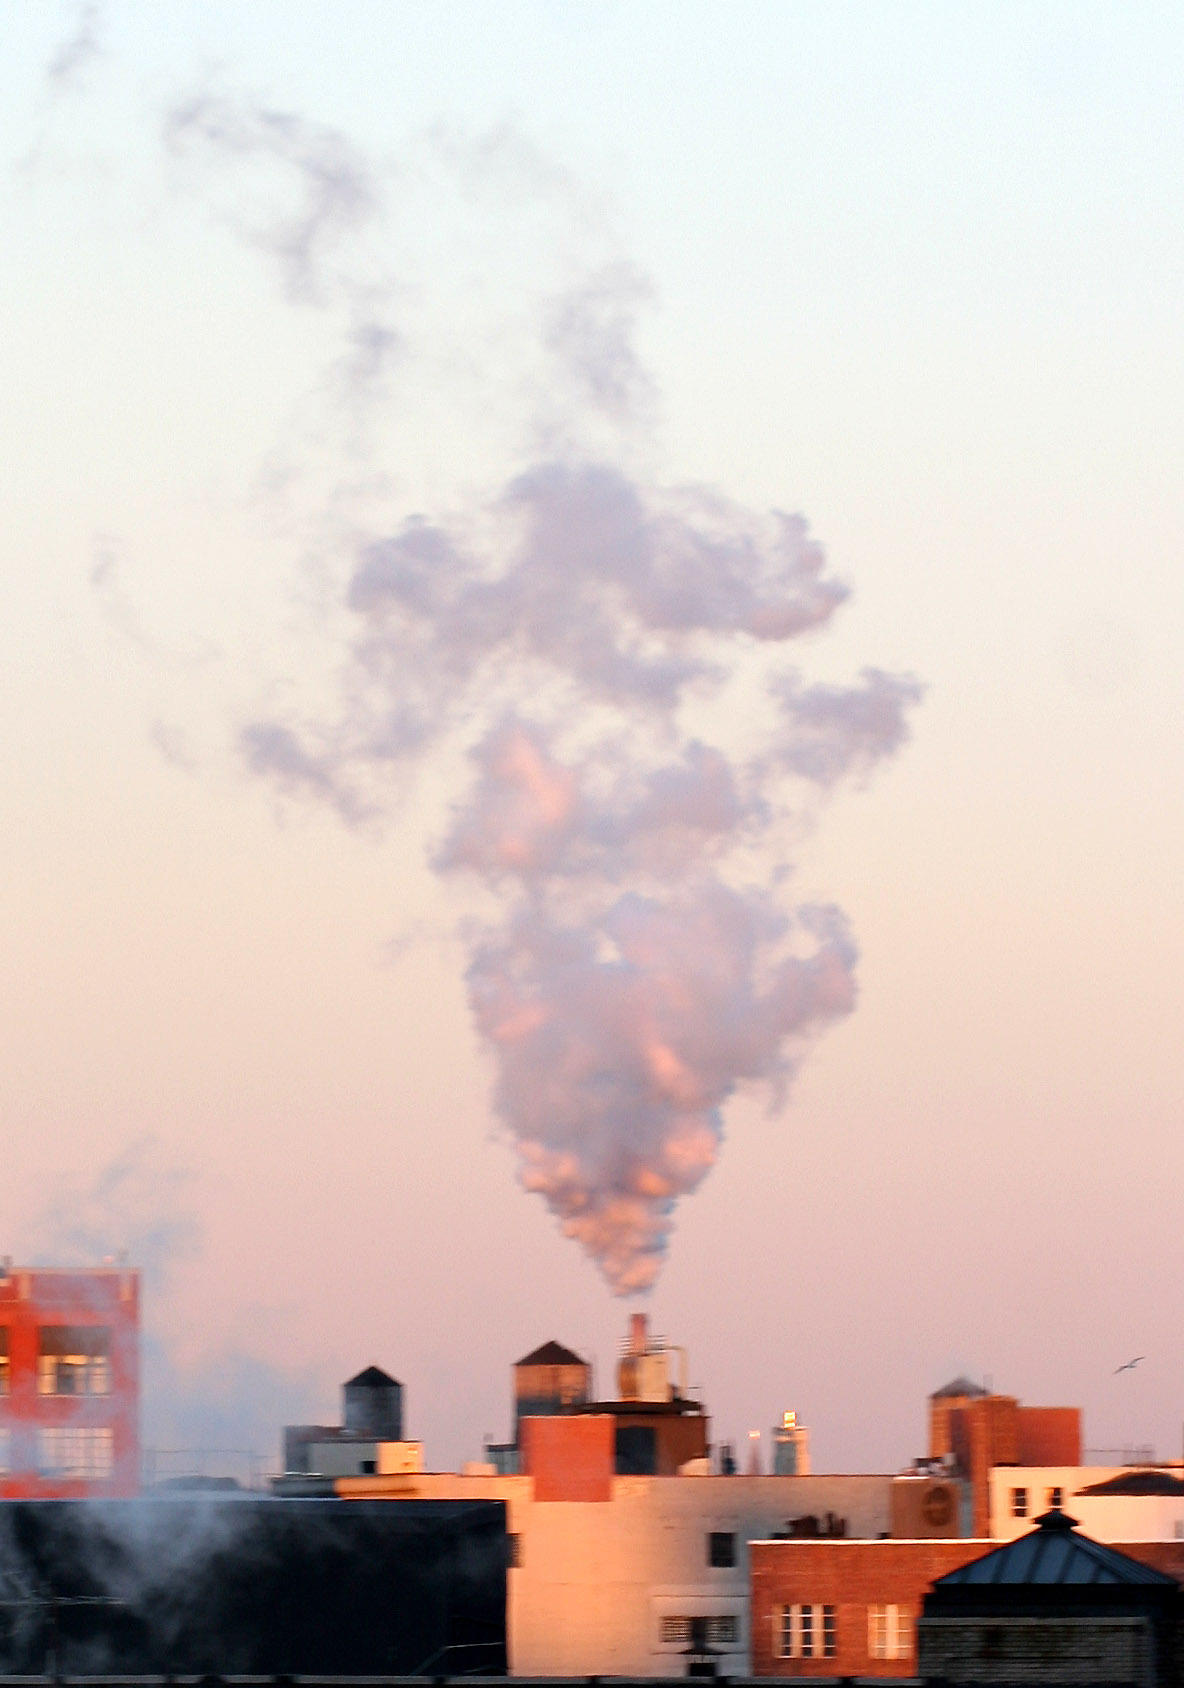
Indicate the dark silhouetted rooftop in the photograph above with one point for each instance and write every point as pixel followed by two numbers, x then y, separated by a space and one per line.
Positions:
pixel 551 1354
pixel 1053 1553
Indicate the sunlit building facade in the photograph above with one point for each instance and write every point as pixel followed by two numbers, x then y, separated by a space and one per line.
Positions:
pixel 69 1382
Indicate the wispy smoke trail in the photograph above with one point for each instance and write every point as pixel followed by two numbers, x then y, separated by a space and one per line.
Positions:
pixel 140 1207
pixel 573 631
pixel 136 1206
pixel 78 48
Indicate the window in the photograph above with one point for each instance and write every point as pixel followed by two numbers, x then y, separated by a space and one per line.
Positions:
pixel 721 1550
pixel 1019 1503
pixel 514 1551
pixel 636 1450
pixel 720 1631
pixel 77 1452
pixel 73 1360
pixel 5 1449
pixel 4 1360
pixel 806 1632
pixel 1056 1496
pixel 888 1632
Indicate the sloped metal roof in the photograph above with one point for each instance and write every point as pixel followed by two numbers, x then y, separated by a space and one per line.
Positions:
pixel 551 1354
pixel 1053 1552
pixel 959 1386
pixel 374 1378
pixel 1137 1483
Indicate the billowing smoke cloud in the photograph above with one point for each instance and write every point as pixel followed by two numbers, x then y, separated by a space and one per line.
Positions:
pixel 611 655
pixel 633 979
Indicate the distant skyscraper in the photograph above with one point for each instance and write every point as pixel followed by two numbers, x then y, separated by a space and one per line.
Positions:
pixel 791 1447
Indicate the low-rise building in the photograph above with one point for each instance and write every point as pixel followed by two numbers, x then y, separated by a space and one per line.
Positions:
pixel 69 1382
pixel 369 1439
pixel 1113 1503
pixel 612 1585
pixel 1055 1608
pixel 844 1608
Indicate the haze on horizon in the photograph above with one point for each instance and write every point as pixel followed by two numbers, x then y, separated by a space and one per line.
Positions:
pixel 276 291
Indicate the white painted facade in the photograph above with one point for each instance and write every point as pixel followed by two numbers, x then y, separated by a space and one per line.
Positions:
pixel 347 1456
pixel 1109 1518
pixel 597 1586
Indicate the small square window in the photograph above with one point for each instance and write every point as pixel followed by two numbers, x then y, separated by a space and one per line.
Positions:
pixel 514 1553
pixel 1055 1496
pixel 721 1550
pixel 1019 1503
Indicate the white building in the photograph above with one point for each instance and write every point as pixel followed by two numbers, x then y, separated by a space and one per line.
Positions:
pixel 1112 1503
pixel 609 1587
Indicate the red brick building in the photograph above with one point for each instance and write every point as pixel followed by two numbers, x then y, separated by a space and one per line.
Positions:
pixel 844 1608
pixel 69 1382
pixel 975 1431
pixel 850 1608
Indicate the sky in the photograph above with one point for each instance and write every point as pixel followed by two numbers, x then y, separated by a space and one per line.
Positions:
pixel 297 823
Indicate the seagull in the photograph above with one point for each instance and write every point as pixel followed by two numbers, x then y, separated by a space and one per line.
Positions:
pixel 1130 1364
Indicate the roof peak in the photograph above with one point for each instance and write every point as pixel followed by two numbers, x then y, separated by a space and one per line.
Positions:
pixel 551 1353
pixel 959 1386
pixel 1053 1552
pixel 373 1377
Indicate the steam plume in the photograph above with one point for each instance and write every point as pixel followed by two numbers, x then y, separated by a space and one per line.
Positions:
pixel 582 632
pixel 633 978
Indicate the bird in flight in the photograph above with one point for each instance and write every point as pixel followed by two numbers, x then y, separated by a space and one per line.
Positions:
pixel 1130 1364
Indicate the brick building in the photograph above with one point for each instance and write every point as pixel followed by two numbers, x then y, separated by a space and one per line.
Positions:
pixel 1055 1608
pixel 974 1431
pixel 69 1382
pixel 844 1608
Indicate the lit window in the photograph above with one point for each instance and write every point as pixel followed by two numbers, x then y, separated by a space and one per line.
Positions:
pixel 73 1360
pixel 806 1632
pixel 5 1449
pixel 1056 1496
pixel 721 1549
pixel 1019 1503
pixel 888 1632
pixel 4 1360
pixel 73 1451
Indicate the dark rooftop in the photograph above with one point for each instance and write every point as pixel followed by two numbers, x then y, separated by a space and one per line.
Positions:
pixel 552 1354
pixel 374 1378
pixel 960 1386
pixel 1137 1483
pixel 1053 1553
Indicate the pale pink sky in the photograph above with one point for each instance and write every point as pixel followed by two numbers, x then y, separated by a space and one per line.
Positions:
pixel 911 275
